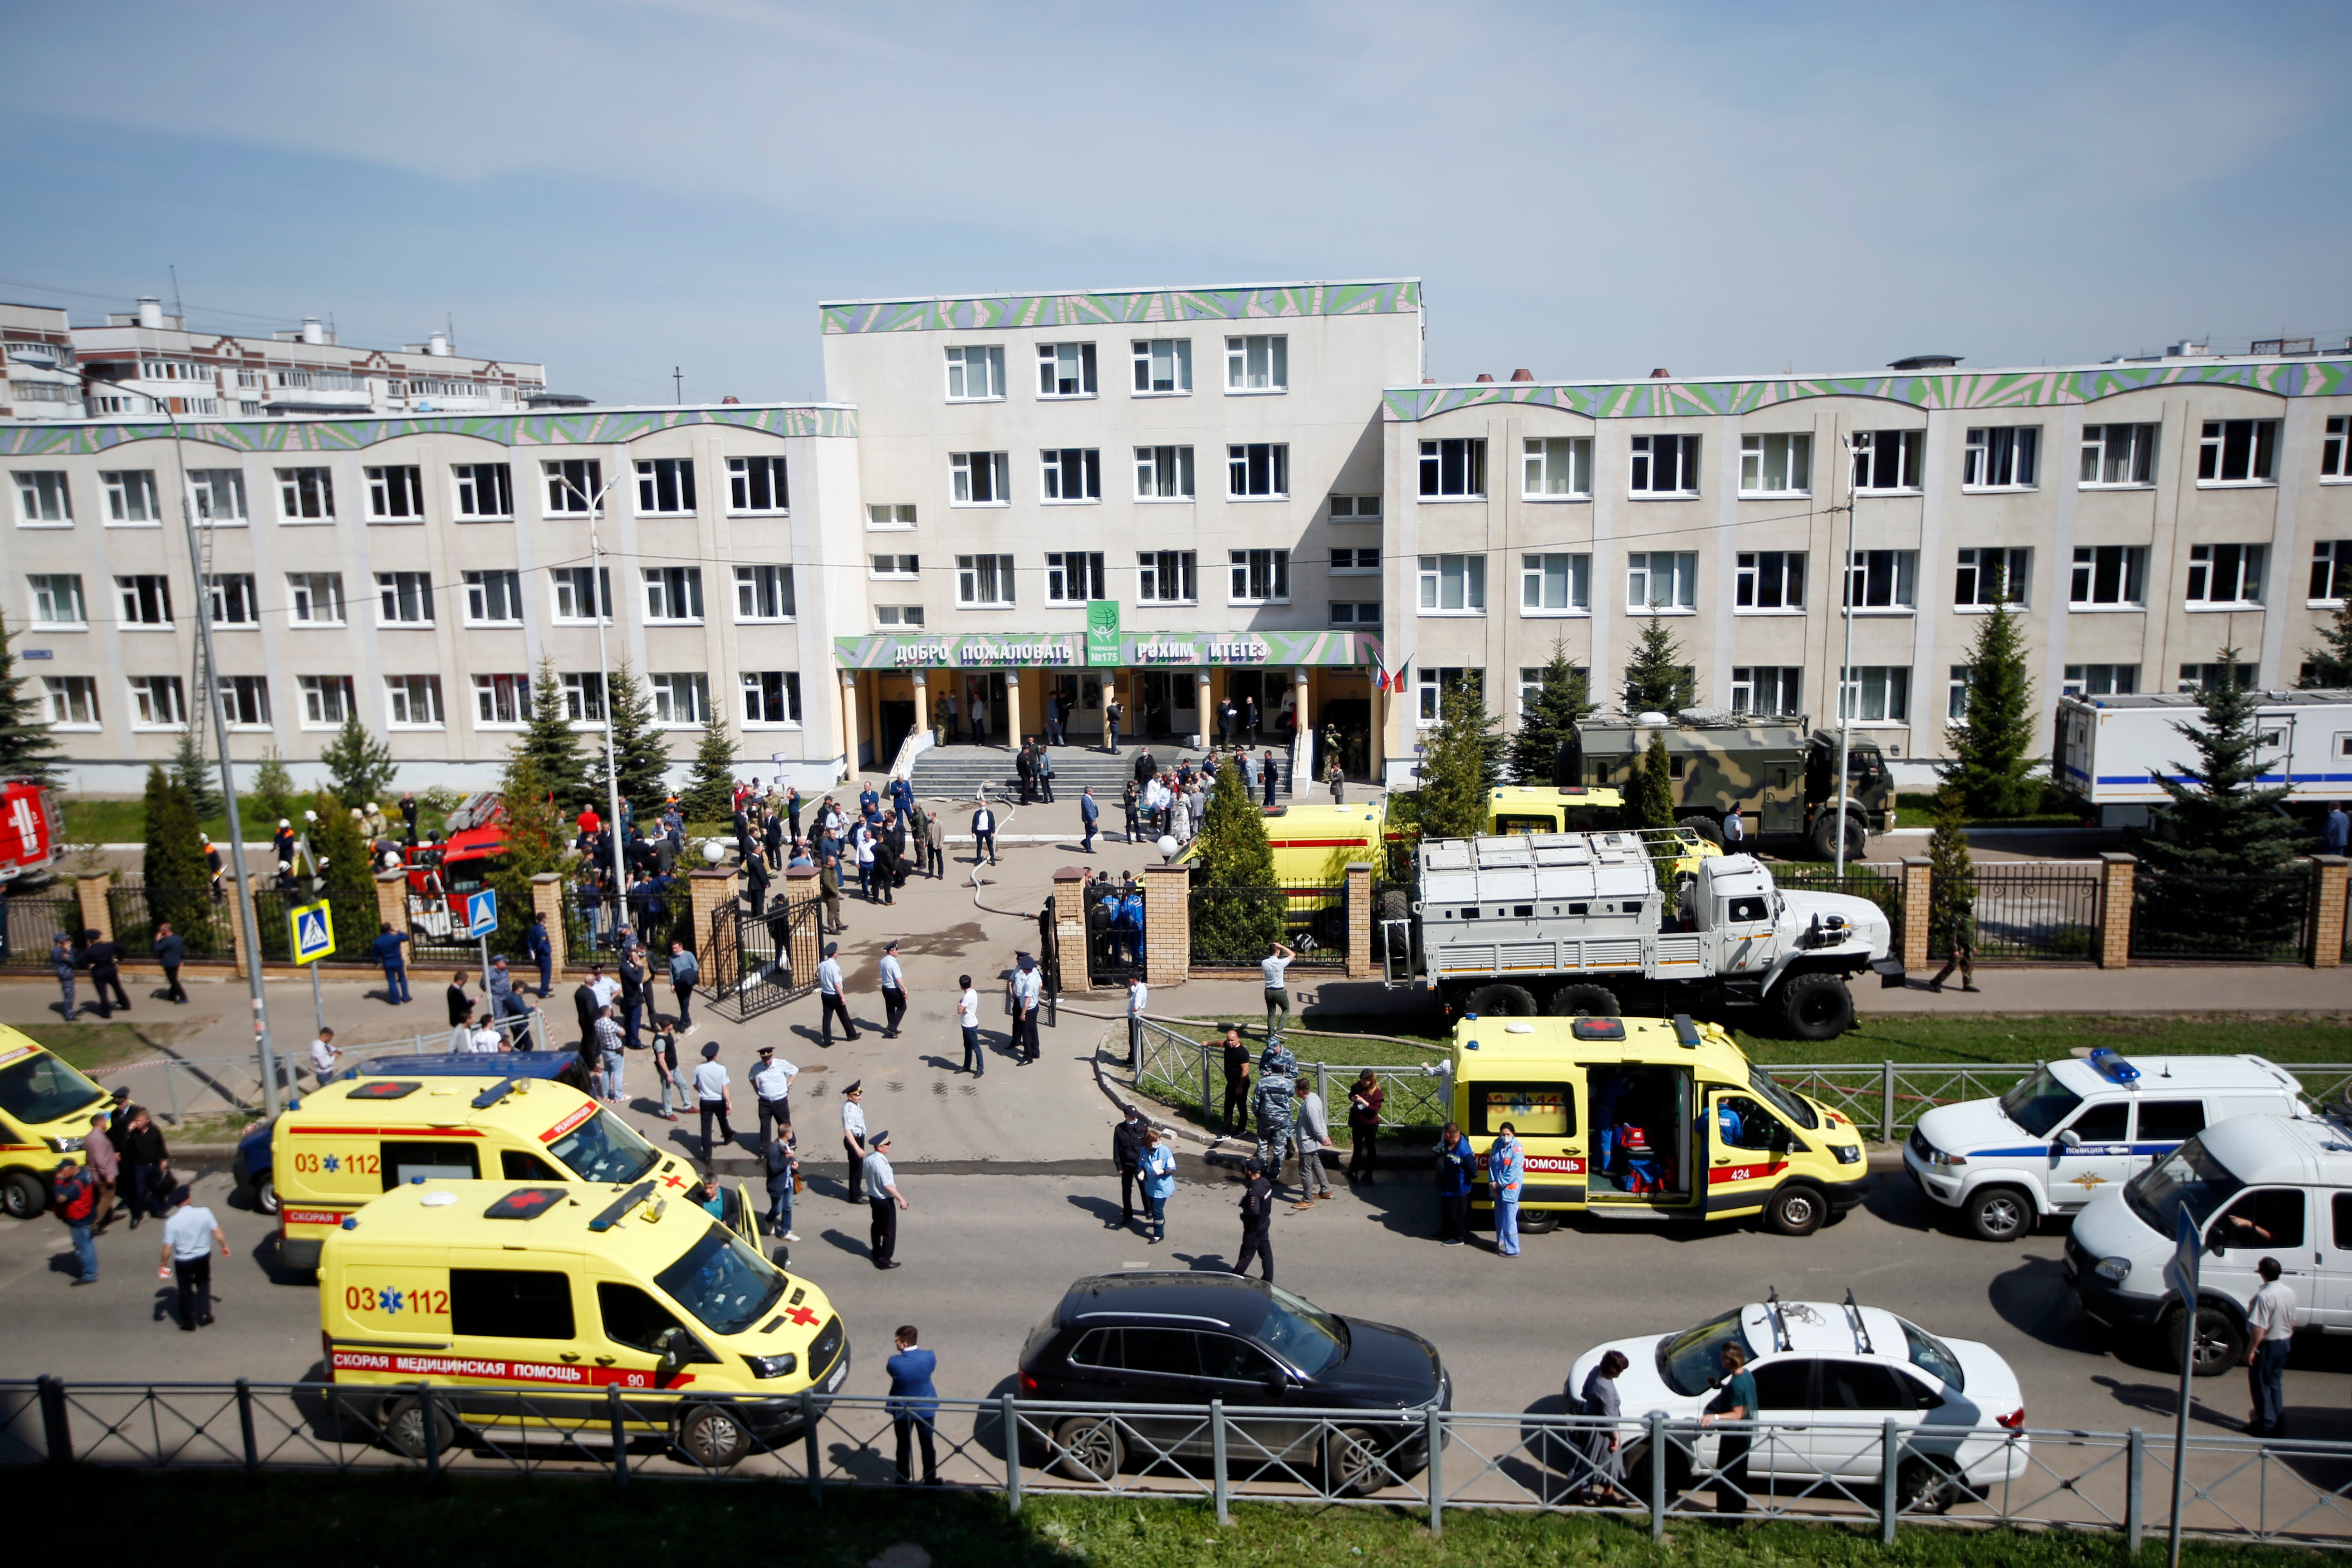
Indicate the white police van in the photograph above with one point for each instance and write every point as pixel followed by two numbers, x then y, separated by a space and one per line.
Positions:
pixel 2073 1129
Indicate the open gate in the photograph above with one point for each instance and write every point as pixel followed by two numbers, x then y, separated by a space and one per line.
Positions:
pixel 756 962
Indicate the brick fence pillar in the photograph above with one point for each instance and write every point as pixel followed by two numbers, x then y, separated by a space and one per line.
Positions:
pixel 547 903
pixel 1360 915
pixel 709 889
pixel 2331 872
pixel 1167 924
pixel 805 898
pixel 1917 884
pixel 96 913
pixel 1070 930
pixel 391 905
pixel 2115 873
pixel 236 927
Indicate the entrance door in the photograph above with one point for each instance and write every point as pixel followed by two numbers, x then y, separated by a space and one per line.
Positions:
pixel 2098 1158
pixel 1350 719
pixel 894 723
pixel 1246 686
pixel 982 698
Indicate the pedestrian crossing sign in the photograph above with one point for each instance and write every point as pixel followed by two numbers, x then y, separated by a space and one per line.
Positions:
pixel 481 912
pixel 314 933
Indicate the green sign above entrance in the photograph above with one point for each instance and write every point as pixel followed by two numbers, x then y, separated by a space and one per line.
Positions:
pixel 1102 632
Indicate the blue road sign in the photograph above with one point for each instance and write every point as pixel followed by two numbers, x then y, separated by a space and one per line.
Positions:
pixel 2181 1272
pixel 481 912
pixel 314 933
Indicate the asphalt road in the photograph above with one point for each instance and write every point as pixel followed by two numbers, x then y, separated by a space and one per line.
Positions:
pixel 987 1255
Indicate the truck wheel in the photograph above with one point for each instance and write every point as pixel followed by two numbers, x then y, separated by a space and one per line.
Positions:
pixel 1393 906
pixel 1506 1001
pixel 1597 1001
pixel 1795 1210
pixel 1537 1222
pixel 2220 1343
pixel 23 1195
pixel 1816 1006
pixel 1999 1214
pixel 1857 835
pixel 712 1437
pixel 1706 828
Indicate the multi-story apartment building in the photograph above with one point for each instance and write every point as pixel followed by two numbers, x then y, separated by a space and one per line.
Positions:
pixel 1178 497
pixel 37 365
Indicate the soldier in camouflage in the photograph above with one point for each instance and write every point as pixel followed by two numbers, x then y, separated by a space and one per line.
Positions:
pixel 1275 1103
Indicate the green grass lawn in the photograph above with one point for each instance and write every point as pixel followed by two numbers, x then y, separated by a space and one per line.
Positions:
pixel 91 1044
pixel 357 1520
pixel 91 821
pixel 1919 811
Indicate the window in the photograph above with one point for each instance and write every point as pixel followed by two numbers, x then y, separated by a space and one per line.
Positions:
pixel 2225 573
pixel 771 697
pixel 1437 680
pixel 682 699
pixel 1260 578
pixel 306 495
pixel 1768 689
pixel 231 600
pixel 1066 370
pixel 2109 575
pixel 984 580
pixel 406 598
pixel 1887 459
pixel 245 699
pixel 2000 456
pixel 1557 468
pixel 2100 681
pixel 757 484
pixel 1771 580
pixel 1355 509
pixel 2170 1120
pixel 1454 584
pixel 395 495
pixel 2118 456
pixel 1166 577
pixel 584 697
pixel 1556 584
pixel 976 373
pixel 1883 580
pixel 2237 452
pixel 1355 612
pixel 484 490
pixel 764 593
pixel 1956 699
pixel 2331 571
pixel 1776 465
pixel 73 700
pixel 1164 473
pixel 1876 694
pixel 318 597
pixel 57 600
pixel 511 1303
pixel 1985 572
pixel 674 593
pixel 1257 364
pixel 898 567
pixel 1665 465
pixel 131 496
pixel 2335 452
pixel 1163 365
pixel 42 497
pixel 583 594
pixel 1661 580
pixel 1257 469
pixel 666 485
pixel 1074 577
pixel 502 701
pixel 576 486
pixel 898 615
pixel 1453 468
pixel 157 702
pixel 887 517
pixel 1355 561
pixel 493 598
pixel 219 494
pixel 327 700
pixel 2197 676
pixel 1071 473
pixel 412 702
pixel 146 600
pixel 980 477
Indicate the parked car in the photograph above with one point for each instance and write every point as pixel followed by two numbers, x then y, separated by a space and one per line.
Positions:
pixel 1829 1376
pixel 1185 1338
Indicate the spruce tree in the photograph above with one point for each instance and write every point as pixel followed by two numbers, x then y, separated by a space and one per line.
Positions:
pixel 533 828
pixel 194 775
pixel 2331 662
pixel 1952 877
pixel 350 892
pixel 25 743
pixel 554 745
pixel 709 793
pixel 1239 915
pixel 640 755
pixel 1992 763
pixel 1564 697
pixel 269 794
pixel 173 871
pixel 1462 763
pixel 1656 678
pixel 1650 800
pixel 359 765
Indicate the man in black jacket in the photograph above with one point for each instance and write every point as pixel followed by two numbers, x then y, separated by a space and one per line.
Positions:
pixel 170 952
pixel 102 956
pixel 587 1004
pixel 1126 1159
pixel 983 835
pixel 1257 1219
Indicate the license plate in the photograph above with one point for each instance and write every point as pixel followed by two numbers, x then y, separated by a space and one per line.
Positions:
pixel 840 1371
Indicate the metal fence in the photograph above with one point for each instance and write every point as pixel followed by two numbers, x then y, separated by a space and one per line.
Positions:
pixel 1181 1071
pixel 32 920
pixel 2188 918
pixel 1879 882
pixel 200 920
pixel 2044 911
pixel 1233 926
pixel 1883 1473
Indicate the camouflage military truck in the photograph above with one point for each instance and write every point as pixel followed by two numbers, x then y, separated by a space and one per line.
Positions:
pixel 1780 775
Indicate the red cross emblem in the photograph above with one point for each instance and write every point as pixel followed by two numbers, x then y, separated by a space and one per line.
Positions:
pixel 673 1182
pixel 803 1316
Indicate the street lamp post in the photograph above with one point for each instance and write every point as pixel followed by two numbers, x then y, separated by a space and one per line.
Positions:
pixel 599 602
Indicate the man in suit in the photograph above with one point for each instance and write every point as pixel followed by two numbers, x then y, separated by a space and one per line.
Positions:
pixel 983 835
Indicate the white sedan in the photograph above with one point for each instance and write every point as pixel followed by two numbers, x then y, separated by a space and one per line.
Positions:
pixel 1829 1376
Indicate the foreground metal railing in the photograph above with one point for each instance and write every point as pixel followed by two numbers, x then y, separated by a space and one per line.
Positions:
pixel 1862 1472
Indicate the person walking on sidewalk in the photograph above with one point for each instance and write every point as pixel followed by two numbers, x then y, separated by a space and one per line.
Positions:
pixel 1044 770
pixel 1237 1085
pixel 61 959
pixel 771 1081
pixel 830 1003
pixel 98 1153
pixel 914 1404
pixel 149 1161
pixel 189 1237
pixel 1089 818
pixel 852 1135
pixel 894 989
pixel 1158 1182
pixel 1138 994
pixel 1311 1133
pixel 538 951
pixel 170 952
pixel 2270 1318
pixel 714 1095
pixel 983 834
pixel 779 1160
pixel 1258 1220
pixel 103 956
pixel 1457 1169
pixel 1127 1163
pixel 935 846
pixel 74 1192
pixel 882 1195
pixel 684 975
pixel 1959 933
pixel 665 1070
pixel 968 1020
pixel 1365 1097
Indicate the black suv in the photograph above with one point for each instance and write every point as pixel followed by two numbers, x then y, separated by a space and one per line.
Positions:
pixel 1186 1339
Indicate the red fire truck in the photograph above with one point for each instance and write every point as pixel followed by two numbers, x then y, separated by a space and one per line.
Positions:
pixel 442 872
pixel 31 839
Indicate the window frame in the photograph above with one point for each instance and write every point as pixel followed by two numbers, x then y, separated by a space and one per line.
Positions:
pixel 756 582
pixel 133 617
pixel 1746 679
pixel 560 486
pixel 1643 453
pixel 961 471
pixel 144 689
pixel 669 589
pixel 66 695
pixel 999 570
pixel 41 586
pixel 221 592
pixel 1453 468
pixel 488 690
pixel 402 587
pixel 2331 568
pixel 2140 454
pixel 1909 457
pixel 315 690
pixel 231 691
pixel 1144 357
pixel 585 697
pixel 1430 683
pixel 1089 567
pixel 2006 448
pixel 484 588
pixel 2214 443
pixel 1464 569
pixel 468 482
pixel 308 589
pixel 1645 562
pixel 1276 356
pixel 1151 568
pixel 889 517
pixel 1756 455
pixel 1536 455
pixel 1968 574
pixel 778 484
pixel 788 691
pixel 1351 613
pixel 1754 580
pixel 959 364
pixel 392 485
pixel 1902 583
pixel 1245 572
pixel 599 586
pixel 675 476
pixel 298 488
pixel 1895 683
pixel 666 687
pixel 1536 577
pixel 127 491
pixel 1239 460
pixel 2131 569
pixel 2336 450
pixel 1355 561
pixel 2075 679
pixel 206 488
pixel 1050 377
pixel 1178 466
pixel 1354 514
pixel 1056 469
pixel 900 617
pixel 2204 563
pixel 34 488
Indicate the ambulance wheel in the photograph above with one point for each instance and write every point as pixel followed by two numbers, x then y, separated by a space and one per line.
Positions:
pixel 23 1195
pixel 1087 1448
pixel 265 1194
pixel 2220 1343
pixel 1597 1000
pixel 1795 1210
pixel 409 1427
pixel 1999 1214
pixel 1706 828
pixel 1816 1006
pixel 1537 1222
pixel 712 1437
pixel 1502 1001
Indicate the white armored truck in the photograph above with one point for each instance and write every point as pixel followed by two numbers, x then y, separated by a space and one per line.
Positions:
pixel 1578 923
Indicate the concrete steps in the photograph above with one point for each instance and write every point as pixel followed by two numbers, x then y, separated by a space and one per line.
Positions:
pixel 962 771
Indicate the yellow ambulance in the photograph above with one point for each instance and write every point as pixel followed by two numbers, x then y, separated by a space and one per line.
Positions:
pixel 1649 1119
pixel 354 1139
pixel 503 1299
pixel 45 1108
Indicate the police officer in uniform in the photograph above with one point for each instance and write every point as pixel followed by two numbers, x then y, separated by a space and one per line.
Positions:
pixel 1275 1102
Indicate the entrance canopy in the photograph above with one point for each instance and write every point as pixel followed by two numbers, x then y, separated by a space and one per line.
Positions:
pixel 895 650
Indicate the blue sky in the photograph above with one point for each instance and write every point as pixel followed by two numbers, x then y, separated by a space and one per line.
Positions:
pixel 619 188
